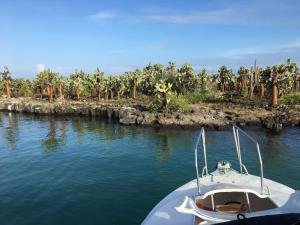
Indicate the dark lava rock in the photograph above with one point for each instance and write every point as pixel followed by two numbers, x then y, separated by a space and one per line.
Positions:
pixel 272 123
pixel 128 120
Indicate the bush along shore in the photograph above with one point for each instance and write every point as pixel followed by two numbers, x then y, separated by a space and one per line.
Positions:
pixel 212 115
pixel 164 96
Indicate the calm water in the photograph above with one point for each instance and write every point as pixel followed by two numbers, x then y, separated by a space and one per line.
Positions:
pixel 85 171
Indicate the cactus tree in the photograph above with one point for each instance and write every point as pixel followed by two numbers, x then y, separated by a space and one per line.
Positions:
pixel 163 90
pixel 7 78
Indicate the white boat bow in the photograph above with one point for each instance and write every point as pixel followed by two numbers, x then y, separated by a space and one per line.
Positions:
pixel 224 194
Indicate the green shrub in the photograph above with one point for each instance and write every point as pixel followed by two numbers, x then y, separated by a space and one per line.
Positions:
pixel 245 92
pixel 291 99
pixel 197 97
pixel 153 106
pixel 178 103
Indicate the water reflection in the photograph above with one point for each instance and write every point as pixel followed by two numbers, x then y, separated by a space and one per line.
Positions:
pixel 9 124
pixel 170 140
pixel 100 130
pixel 83 130
pixel 52 141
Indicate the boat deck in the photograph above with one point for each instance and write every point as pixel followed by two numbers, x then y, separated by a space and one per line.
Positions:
pixel 164 213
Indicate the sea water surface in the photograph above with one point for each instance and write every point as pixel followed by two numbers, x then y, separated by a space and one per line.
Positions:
pixel 78 170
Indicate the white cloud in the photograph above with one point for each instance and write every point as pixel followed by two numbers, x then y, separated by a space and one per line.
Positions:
pixel 222 16
pixel 102 15
pixel 40 67
pixel 262 50
pixel 254 12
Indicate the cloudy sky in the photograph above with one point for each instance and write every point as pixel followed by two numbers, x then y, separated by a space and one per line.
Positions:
pixel 118 36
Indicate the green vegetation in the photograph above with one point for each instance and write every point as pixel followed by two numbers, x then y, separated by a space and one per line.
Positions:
pixel 290 99
pixel 178 103
pixel 162 88
pixel 205 96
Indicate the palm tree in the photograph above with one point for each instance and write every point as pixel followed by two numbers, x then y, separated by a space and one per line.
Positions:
pixel 286 80
pixel 121 86
pixel 118 86
pixel 60 82
pixel 6 75
pixel 203 80
pixel 296 79
pixel 171 67
pixel 134 79
pixel 186 78
pixel 105 87
pixel 45 80
pixel 293 71
pixel 225 77
pixel 97 79
pixel 21 87
pixel 111 83
pixel 148 80
pixel 244 77
pixel 264 76
pixel 277 71
pixel 77 83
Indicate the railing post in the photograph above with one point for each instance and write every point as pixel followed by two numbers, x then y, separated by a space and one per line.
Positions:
pixel 196 161
pixel 237 144
pixel 205 170
pixel 239 147
pixel 204 151
pixel 261 170
pixel 197 172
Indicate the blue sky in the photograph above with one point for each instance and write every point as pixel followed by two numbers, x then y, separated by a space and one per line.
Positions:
pixel 119 36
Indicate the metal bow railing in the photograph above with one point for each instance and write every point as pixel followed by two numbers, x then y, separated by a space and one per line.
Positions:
pixel 236 134
pixel 243 169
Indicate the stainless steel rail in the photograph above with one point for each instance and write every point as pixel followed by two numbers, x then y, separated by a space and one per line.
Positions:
pixel 243 169
pixel 204 170
pixel 236 134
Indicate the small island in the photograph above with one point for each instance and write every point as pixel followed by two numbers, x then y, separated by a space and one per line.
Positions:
pixel 165 96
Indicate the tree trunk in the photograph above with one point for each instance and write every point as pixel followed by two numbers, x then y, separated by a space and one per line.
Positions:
pixel 77 94
pixel 262 90
pixel 243 83
pixel 223 88
pixel 98 92
pixel 8 88
pixel 49 93
pixel 275 91
pixel 60 89
pixel 134 89
pixel 111 94
pixel 106 95
pixel 118 95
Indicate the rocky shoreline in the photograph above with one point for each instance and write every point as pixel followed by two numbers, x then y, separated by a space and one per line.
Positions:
pixel 212 115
